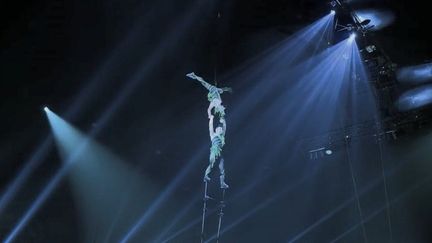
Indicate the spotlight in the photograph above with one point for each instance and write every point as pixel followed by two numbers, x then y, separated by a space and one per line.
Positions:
pixel 46 109
pixel 376 19
pixel 352 37
pixel 332 12
pixel 365 22
pixel 370 48
pixel 319 153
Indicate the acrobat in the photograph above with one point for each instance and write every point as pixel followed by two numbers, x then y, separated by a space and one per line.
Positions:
pixel 213 95
pixel 217 135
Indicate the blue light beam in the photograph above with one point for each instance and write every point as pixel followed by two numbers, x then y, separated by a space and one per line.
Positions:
pixel 415 75
pixel 82 98
pixel 56 123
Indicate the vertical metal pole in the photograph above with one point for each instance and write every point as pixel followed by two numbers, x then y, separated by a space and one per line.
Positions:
pixel 204 211
pixel 222 205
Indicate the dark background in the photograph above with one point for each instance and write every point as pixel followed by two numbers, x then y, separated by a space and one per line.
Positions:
pixel 51 49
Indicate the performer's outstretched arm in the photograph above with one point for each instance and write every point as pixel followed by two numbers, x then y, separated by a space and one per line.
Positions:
pixel 192 75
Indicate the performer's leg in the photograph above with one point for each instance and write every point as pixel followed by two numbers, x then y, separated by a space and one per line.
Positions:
pixel 222 174
pixel 212 160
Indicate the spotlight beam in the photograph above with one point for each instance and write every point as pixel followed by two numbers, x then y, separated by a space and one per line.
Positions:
pixel 157 203
pixel 48 189
pixel 32 163
pixel 376 182
pixel 39 154
pixel 174 221
pixel 402 196
pixel 294 44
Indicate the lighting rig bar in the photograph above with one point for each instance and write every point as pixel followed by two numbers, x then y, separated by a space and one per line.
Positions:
pixel 335 140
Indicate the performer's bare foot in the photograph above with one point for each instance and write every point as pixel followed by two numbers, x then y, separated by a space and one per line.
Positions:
pixel 224 185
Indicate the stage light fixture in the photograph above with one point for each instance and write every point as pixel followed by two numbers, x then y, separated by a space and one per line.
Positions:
pixel 46 109
pixel 319 153
pixel 332 12
pixel 370 48
pixel 365 22
pixel 375 19
pixel 333 3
